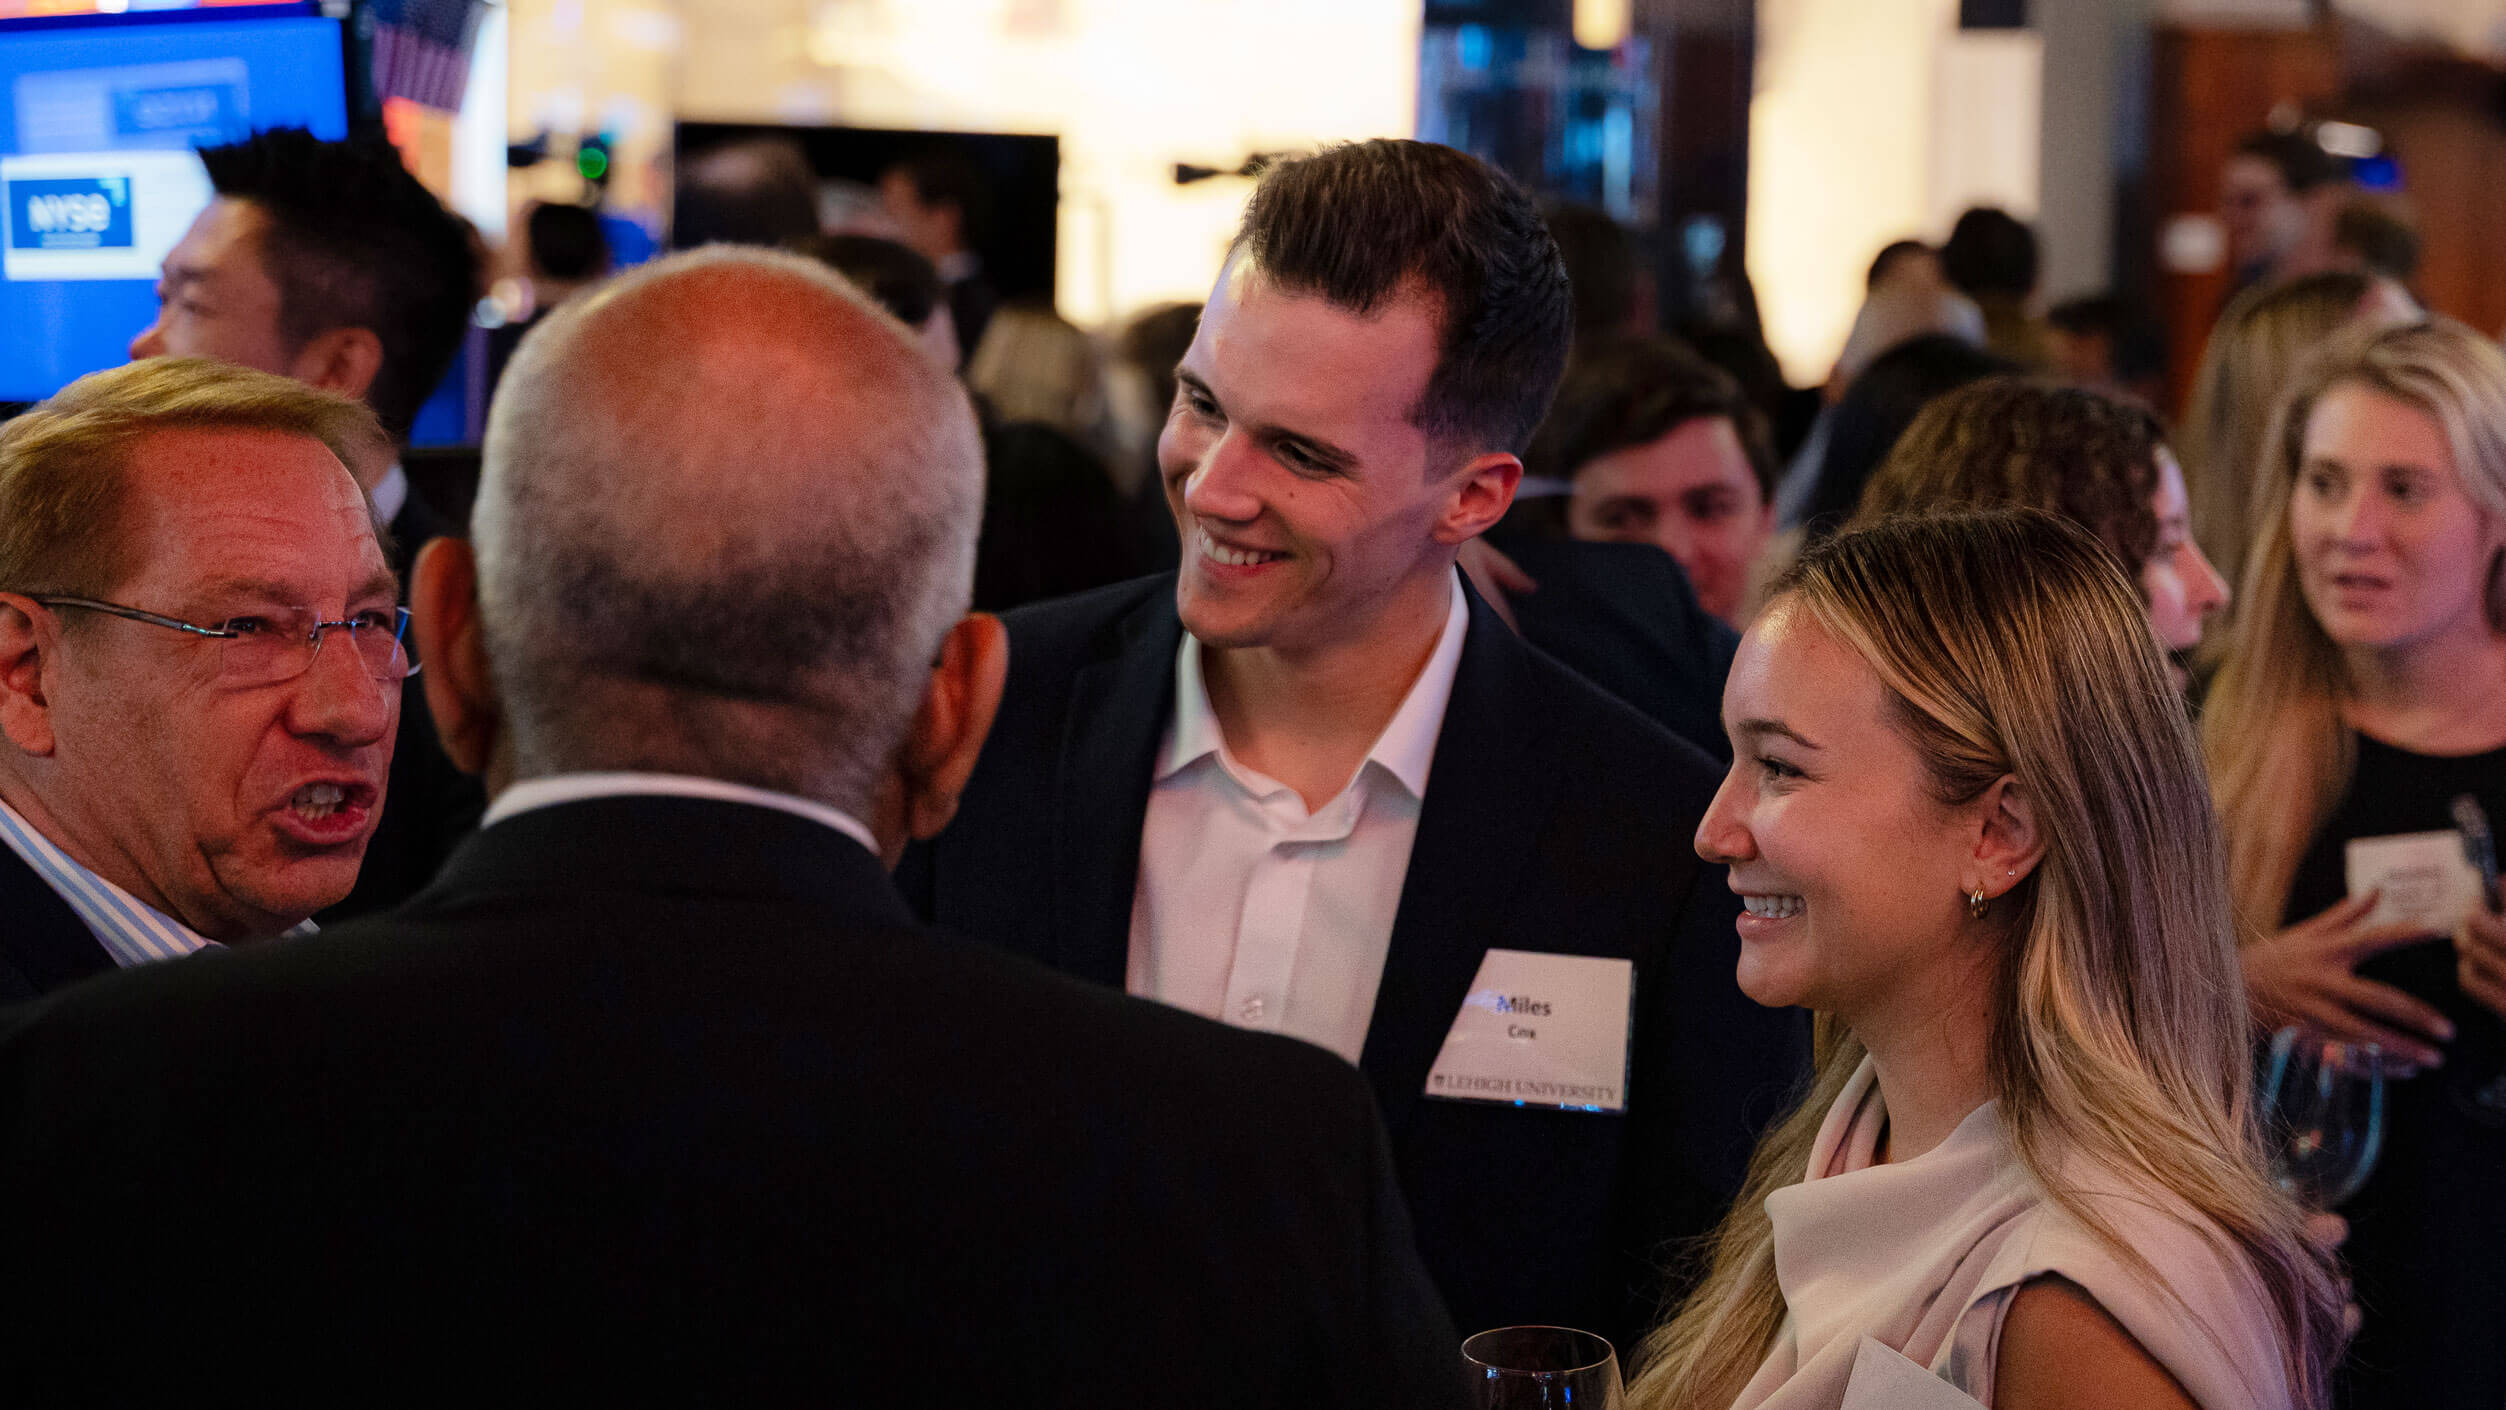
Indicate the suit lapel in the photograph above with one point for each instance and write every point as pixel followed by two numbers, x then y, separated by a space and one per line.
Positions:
pixel 1119 706
pixel 1488 793
pixel 42 940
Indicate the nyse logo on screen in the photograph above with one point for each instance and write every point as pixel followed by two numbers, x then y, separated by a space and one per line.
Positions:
pixel 70 213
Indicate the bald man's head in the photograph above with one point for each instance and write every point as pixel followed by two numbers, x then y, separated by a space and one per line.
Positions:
pixel 726 516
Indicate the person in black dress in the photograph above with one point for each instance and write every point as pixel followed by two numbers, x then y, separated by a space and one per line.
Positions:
pixel 2363 690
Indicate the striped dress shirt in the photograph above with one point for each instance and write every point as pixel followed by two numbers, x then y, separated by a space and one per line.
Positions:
pixel 131 931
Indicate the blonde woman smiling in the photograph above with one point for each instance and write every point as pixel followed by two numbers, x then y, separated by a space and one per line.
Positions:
pixel 1968 816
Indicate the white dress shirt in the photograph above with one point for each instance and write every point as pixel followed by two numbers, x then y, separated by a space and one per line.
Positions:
pixel 575 788
pixel 1252 910
pixel 131 931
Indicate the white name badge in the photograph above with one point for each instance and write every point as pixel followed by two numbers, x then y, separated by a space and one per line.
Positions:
pixel 1540 1030
pixel 2426 880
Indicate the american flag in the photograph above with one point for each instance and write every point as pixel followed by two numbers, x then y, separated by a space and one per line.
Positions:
pixel 422 49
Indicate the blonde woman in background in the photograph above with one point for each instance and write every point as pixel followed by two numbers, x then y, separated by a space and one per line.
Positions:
pixel 2363 690
pixel 1035 365
pixel 2252 356
pixel 1969 821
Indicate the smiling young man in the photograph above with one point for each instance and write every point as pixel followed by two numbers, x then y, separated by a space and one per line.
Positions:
pixel 181 760
pixel 1309 784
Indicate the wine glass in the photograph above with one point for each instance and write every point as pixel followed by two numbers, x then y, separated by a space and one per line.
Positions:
pixel 2324 1102
pixel 1542 1368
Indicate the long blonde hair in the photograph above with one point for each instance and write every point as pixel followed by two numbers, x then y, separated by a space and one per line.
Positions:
pixel 2012 644
pixel 2280 756
pixel 2253 353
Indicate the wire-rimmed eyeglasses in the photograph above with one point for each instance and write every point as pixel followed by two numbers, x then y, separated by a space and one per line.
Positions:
pixel 279 643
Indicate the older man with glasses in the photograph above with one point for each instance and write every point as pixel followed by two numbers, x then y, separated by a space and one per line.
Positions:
pixel 182 763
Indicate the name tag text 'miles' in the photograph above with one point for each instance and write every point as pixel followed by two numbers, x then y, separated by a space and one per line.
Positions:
pixel 1540 1030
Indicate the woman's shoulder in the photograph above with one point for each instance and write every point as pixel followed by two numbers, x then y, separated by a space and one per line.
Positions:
pixel 2191 1299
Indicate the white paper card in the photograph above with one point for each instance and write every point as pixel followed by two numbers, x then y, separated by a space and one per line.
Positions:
pixel 2426 880
pixel 1540 1030
pixel 1885 1380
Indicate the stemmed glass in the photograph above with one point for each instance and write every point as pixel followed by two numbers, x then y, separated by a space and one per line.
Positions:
pixel 2324 1105
pixel 1542 1368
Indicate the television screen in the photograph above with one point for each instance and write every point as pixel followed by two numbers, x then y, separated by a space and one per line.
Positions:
pixel 97 176
pixel 1017 243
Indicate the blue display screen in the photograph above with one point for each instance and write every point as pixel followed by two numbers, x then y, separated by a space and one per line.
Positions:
pixel 97 176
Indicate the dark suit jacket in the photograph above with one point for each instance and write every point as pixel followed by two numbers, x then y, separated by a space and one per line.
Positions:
pixel 1556 819
pixel 43 943
pixel 1623 616
pixel 428 805
pixel 671 1099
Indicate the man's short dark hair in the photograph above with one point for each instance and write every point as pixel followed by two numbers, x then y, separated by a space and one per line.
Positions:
pixel 1635 391
pixel 904 283
pixel 756 191
pixel 357 242
pixel 1990 251
pixel 1362 223
pixel 2382 242
pixel 1601 268
pixel 566 241
pixel 2302 163
pixel 944 175
pixel 2137 347
pixel 1890 254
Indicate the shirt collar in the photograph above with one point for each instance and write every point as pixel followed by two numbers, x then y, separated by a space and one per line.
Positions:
pixel 1407 745
pixel 131 931
pixel 575 788
pixel 390 493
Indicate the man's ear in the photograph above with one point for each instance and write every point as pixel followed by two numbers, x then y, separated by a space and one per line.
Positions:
pixel 2008 844
pixel 1478 496
pixel 950 726
pixel 27 643
pixel 345 360
pixel 444 613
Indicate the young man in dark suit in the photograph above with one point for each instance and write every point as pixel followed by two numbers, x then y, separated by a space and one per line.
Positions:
pixel 1312 785
pixel 659 1093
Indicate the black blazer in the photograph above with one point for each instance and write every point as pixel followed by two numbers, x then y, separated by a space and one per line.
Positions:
pixel 428 805
pixel 1623 616
pixel 43 944
pixel 1556 819
pixel 671 1099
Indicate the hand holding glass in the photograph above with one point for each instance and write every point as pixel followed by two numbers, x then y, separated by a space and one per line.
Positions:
pixel 2323 1109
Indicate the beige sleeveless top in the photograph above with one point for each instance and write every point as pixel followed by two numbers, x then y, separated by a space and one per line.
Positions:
pixel 1925 1256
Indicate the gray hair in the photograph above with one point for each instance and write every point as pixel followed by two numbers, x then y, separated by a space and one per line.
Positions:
pixel 726 516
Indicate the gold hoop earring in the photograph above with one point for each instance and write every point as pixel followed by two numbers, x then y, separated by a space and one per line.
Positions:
pixel 1976 903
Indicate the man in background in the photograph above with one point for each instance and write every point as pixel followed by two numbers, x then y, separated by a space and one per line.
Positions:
pixel 1311 785
pixel 659 1094
pixel 329 263
pixel 200 667
pixel 941 204
pixel 1991 257
pixel 758 191
pixel 2279 195
pixel 900 280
